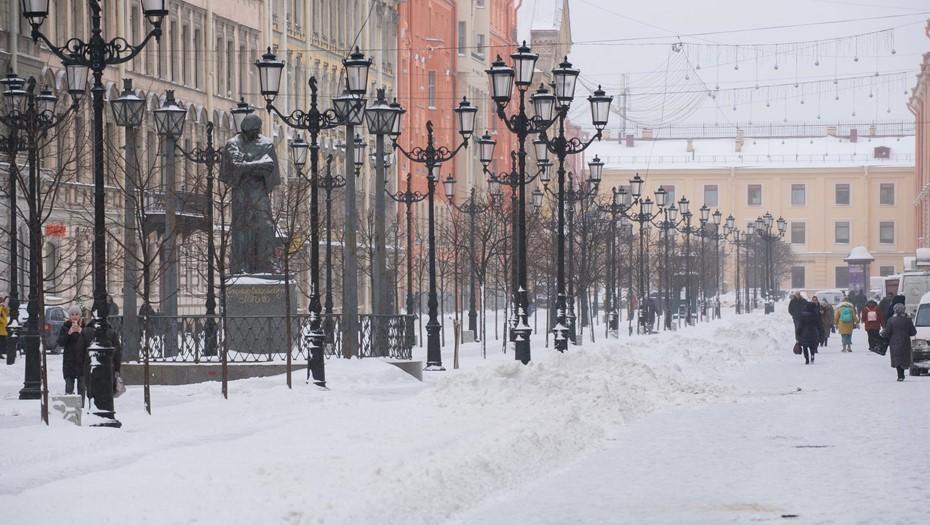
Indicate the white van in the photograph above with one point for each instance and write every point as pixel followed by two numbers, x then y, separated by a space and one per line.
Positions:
pixel 913 286
pixel 920 343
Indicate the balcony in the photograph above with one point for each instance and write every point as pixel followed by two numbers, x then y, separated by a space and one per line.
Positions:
pixel 190 214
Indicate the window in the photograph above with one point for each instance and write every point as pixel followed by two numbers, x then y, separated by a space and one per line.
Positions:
pixel 710 195
pixel 886 194
pixel 798 195
pixel 462 38
pixel 479 3
pixel 886 232
pixel 479 45
pixel 797 277
pixel 842 277
pixel 431 89
pixel 885 271
pixel 842 195
pixel 669 194
pixel 841 232
pixel 798 233
pixel 754 195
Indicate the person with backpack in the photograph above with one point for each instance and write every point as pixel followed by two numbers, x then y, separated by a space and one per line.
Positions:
pixel 872 321
pixel 899 330
pixel 846 320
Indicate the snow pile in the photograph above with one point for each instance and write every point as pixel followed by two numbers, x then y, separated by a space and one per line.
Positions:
pixel 380 447
pixel 517 422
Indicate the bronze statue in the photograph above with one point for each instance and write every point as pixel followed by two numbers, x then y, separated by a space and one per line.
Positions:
pixel 250 168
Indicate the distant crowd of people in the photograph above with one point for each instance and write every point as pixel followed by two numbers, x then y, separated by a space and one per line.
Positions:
pixel 888 326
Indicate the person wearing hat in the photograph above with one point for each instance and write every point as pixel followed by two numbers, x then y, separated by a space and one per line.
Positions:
pixel 898 331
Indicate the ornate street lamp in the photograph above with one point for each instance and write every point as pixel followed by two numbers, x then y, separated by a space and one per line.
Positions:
pixel 28 117
pixel 78 57
pixel 348 110
pixel 432 157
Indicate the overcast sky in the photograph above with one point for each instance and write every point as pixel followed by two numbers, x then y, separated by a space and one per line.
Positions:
pixel 672 87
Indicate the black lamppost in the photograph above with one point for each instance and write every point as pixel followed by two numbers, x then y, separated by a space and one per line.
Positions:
pixel 348 110
pixel 329 182
pixel 502 79
pixel 380 117
pixel 732 233
pixel 169 122
pixel 211 157
pixel 512 180
pixel 763 226
pixel 79 58
pixel 684 208
pixel 565 78
pixel 432 157
pixel 669 226
pixel 612 305
pixel 472 208
pixel 408 198
pixel 30 117
pixel 574 195
pixel 716 235
pixel 128 111
pixel 643 216
pixel 12 146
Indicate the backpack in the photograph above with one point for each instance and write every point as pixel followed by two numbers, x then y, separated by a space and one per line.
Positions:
pixel 846 314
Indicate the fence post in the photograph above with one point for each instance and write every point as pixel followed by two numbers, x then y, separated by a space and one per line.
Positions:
pixel 455 342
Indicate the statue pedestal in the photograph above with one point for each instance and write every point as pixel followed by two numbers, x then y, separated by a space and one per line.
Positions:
pixel 255 310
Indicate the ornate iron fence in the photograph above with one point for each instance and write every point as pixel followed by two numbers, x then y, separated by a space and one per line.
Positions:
pixel 253 339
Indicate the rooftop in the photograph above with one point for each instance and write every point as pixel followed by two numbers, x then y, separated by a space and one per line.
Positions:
pixel 767 152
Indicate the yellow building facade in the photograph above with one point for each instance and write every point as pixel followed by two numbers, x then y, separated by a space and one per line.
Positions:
pixel 835 192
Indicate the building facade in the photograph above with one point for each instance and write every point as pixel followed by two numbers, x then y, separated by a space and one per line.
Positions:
pixel 206 54
pixel 836 191
pixel 919 104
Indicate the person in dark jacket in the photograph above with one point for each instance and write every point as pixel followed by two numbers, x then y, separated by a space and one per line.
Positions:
pixel 809 330
pixel 795 305
pixel 898 299
pixel 884 306
pixel 74 356
pixel 872 320
pixel 899 330
pixel 826 315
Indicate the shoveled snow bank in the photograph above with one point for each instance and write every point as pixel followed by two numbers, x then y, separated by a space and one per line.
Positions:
pixel 379 447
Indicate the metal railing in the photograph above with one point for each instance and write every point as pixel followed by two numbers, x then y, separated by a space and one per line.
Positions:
pixel 255 339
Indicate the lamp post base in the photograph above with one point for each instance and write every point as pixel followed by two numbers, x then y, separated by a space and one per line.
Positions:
pixel 32 382
pixel 433 367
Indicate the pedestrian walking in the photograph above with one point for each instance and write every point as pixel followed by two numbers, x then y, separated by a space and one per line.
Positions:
pixel 884 306
pixel 898 331
pixel 808 330
pixel 4 320
pixel 898 299
pixel 846 319
pixel 74 344
pixel 872 321
pixel 826 317
pixel 795 305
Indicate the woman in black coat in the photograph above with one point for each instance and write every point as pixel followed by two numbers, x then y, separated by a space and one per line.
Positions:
pixel 808 329
pixel 71 339
pixel 898 331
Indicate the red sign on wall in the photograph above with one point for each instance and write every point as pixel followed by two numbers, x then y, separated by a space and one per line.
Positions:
pixel 56 230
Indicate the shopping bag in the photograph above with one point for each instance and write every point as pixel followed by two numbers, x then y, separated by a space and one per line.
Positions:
pixel 797 348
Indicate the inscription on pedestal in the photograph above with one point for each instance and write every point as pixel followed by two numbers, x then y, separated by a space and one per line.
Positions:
pixel 255 310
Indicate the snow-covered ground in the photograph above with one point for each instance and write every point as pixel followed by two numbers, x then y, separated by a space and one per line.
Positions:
pixel 717 423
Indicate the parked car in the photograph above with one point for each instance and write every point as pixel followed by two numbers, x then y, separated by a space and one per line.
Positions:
pixel 920 343
pixel 55 316
pixel 835 295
